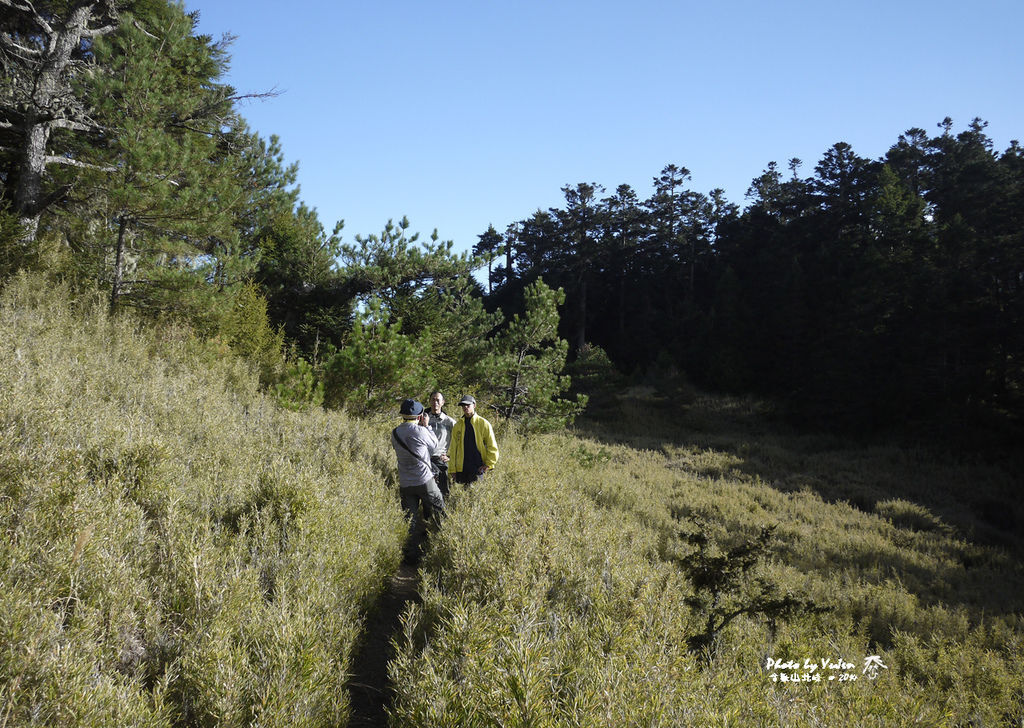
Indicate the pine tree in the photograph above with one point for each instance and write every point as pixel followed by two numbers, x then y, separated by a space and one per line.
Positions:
pixel 580 225
pixel 160 193
pixel 397 267
pixel 46 53
pixel 522 373
pixel 378 365
pixel 489 244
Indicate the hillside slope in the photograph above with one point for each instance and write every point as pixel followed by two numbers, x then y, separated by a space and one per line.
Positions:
pixel 174 548
pixel 578 585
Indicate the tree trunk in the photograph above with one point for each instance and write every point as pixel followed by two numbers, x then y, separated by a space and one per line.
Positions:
pixel 693 272
pixel 622 308
pixel 580 335
pixel 49 82
pixel 515 385
pixel 115 288
pixel 510 239
pixel 28 194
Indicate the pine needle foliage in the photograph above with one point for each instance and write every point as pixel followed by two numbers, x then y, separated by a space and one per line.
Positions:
pixel 522 371
pixel 377 366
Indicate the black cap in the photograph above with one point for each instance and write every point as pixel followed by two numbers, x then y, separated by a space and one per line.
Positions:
pixel 411 408
pixel 467 399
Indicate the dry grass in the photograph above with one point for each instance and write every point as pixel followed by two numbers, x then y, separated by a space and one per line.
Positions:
pixel 178 550
pixel 175 549
pixel 556 596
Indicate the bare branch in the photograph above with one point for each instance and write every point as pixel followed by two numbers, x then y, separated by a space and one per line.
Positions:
pixel 39 18
pixel 18 50
pixel 76 125
pixel 271 94
pixel 50 159
pixel 26 7
pixel 138 25
pixel 206 111
pixel 94 32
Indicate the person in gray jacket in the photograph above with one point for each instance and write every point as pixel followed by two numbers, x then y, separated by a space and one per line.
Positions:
pixel 414 442
pixel 441 425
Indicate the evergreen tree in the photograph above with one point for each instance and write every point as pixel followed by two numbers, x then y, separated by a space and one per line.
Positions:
pixel 377 366
pixel 508 274
pixel 246 329
pixel 163 187
pixel 45 96
pixel 296 266
pixel 489 244
pixel 539 243
pixel 397 268
pixel 617 327
pixel 522 373
pixel 458 331
pixel 728 337
pixel 580 258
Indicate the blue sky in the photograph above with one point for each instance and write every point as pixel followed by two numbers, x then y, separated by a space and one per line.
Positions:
pixel 464 114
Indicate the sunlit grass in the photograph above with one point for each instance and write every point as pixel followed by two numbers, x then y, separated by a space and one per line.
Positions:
pixel 554 598
pixel 178 550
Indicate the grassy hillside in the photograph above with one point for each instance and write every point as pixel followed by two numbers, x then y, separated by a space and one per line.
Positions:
pixel 565 591
pixel 176 550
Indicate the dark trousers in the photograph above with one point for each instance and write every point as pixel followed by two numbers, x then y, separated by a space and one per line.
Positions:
pixel 428 495
pixel 468 477
pixel 440 475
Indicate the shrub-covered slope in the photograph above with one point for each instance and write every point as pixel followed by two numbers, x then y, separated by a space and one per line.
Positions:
pixel 177 550
pixel 571 587
pixel 174 548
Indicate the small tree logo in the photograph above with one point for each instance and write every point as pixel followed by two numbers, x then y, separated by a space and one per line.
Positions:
pixel 872 665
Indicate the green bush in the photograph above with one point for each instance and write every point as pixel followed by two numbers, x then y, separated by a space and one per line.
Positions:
pixel 377 367
pixel 247 331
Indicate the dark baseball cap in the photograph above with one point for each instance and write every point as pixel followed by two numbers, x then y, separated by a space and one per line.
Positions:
pixel 411 408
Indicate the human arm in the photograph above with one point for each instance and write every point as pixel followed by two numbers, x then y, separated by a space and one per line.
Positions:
pixel 489 451
pixel 455 448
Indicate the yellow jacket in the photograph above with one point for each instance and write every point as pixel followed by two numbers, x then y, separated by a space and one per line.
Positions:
pixel 483 433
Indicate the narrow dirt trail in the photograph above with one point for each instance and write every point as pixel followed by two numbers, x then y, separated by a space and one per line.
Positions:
pixel 369 687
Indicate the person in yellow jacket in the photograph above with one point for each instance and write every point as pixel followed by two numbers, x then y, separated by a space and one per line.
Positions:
pixel 473 450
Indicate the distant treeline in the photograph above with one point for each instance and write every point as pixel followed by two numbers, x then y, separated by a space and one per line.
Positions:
pixel 869 292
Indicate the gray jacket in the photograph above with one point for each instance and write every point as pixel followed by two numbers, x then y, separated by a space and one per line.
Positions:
pixel 441 425
pixel 414 463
